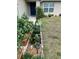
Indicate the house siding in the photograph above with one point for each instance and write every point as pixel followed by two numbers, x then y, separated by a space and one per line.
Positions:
pixel 21 7
pixel 37 3
pixel 57 8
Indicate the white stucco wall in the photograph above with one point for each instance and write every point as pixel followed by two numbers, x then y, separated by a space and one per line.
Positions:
pixel 21 7
pixel 28 9
pixel 37 3
pixel 57 8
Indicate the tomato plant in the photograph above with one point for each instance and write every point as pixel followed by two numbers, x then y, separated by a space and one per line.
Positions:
pixel 23 26
pixel 27 30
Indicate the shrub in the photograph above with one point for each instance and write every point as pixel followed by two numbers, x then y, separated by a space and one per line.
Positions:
pixel 23 26
pixel 50 15
pixel 27 56
pixel 24 16
pixel 37 57
pixel 59 14
pixel 26 27
pixel 35 37
pixel 36 29
pixel 39 13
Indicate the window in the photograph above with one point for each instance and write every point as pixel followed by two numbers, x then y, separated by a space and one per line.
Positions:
pixel 45 4
pixel 45 9
pixel 51 9
pixel 48 7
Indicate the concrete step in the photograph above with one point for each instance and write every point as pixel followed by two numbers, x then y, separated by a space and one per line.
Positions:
pixel 32 18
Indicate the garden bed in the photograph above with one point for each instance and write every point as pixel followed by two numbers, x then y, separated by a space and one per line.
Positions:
pixel 28 38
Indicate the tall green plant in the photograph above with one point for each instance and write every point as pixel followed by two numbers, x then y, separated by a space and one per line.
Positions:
pixel 35 34
pixel 23 26
pixel 39 13
pixel 27 56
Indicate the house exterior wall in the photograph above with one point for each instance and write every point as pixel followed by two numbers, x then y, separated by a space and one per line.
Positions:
pixel 21 7
pixel 24 7
pixel 57 8
pixel 37 3
pixel 28 9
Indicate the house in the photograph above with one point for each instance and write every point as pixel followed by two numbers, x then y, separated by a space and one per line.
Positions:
pixel 29 7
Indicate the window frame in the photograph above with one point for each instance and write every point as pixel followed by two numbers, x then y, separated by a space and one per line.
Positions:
pixel 48 7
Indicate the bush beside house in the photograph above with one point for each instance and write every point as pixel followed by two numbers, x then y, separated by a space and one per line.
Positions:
pixel 39 13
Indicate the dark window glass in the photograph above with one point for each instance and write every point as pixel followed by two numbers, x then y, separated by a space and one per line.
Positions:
pixel 51 9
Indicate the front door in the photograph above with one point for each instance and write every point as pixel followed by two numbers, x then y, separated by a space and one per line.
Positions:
pixel 32 8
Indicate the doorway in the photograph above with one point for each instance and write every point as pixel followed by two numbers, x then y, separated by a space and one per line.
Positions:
pixel 33 8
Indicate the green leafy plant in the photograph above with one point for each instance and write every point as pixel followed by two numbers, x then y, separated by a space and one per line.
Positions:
pixel 50 15
pixel 23 26
pixel 37 46
pixel 27 56
pixel 24 16
pixel 39 13
pixel 36 29
pixel 35 37
pixel 37 57
pixel 59 14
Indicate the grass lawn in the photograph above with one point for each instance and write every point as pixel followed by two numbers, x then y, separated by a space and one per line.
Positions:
pixel 51 28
